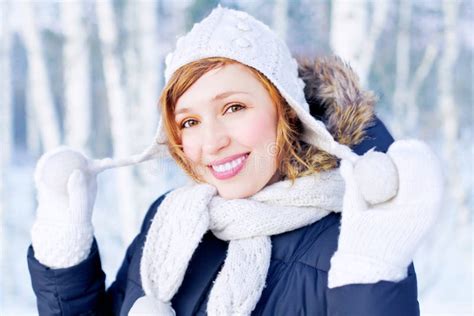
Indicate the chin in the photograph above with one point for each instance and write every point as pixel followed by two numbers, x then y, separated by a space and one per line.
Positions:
pixel 241 189
pixel 232 193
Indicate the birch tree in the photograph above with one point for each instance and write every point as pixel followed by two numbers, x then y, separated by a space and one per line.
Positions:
pixel 448 110
pixel 450 239
pixel 5 113
pixel 407 86
pixel 400 97
pixel 5 89
pixel 352 36
pixel 151 71
pixel 143 58
pixel 131 59
pixel 415 84
pixel 151 75
pixel 280 18
pixel 118 113
pixel 76 76
pixel 39 96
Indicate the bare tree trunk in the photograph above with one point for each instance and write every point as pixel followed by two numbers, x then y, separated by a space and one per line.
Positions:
pixel 76 76
pixel 415 84
pixel 131 56
pixel 33 137
pixel 280 18
pixel 352 37
pixel 119 116
pixel 132 66
pixel 453 227
pixel 405 105
pixel 348 30
pixel 178 9
pixel 366 55
pixel 6 118
pixel 143 72
pixel 150 74
pixel 449 111
pixel 39 88
pixel 400 96
pixel 5 115
pixel 151 71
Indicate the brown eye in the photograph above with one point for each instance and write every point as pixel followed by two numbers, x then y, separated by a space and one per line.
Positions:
pixel 188 123
pixel 235 107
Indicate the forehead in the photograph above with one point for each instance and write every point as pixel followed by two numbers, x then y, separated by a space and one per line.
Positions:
pixel 221 82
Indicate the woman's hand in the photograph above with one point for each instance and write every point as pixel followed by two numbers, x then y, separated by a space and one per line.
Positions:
pixel 66 186
pixel 378 242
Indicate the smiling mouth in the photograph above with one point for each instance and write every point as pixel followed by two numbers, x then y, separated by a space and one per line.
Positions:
pixel 229 169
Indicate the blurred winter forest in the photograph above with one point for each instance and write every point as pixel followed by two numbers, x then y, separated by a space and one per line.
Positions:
pixel 88 74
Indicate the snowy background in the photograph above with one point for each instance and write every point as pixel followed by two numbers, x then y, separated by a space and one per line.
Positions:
pixel 88 74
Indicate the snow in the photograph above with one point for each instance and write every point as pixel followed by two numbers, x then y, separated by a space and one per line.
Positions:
pixel 444 263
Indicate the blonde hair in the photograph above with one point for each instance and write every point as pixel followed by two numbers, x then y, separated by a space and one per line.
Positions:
pixel 295 158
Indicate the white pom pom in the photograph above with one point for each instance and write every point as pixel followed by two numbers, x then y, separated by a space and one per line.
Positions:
pixel 55 167
pixel 147 305
pixel 377 177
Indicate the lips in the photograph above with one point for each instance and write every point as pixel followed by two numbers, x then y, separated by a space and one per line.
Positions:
pixel 227 159
pixel 228 167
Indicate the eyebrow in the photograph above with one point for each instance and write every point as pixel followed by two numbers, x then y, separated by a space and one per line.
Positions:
pixel 217 97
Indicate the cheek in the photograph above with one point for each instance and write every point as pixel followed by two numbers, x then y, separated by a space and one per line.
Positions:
pixel 191 147
pixel 257 130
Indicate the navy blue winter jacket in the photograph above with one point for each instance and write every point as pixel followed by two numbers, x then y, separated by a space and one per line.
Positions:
pixel 296 282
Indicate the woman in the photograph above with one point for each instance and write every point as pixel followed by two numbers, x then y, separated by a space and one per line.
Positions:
pixel 259 231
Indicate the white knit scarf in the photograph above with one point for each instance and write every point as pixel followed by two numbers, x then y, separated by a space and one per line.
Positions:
pixel 187 213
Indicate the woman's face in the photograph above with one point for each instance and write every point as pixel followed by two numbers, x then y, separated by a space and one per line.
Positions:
pixel 228 126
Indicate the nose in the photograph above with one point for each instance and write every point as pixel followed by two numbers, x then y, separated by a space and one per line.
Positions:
pixel 215 138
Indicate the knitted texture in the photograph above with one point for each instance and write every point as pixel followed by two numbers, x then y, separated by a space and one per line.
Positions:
pixel 145 304
pixel 238 36
pixel 376 177
pixel 378 242
pixel 188 212
pixel 62 233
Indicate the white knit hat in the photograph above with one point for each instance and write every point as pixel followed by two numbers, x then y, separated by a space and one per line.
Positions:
pixel 239 36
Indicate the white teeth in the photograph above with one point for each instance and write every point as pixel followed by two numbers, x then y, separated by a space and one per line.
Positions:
pixel 229 165
pixel 235 163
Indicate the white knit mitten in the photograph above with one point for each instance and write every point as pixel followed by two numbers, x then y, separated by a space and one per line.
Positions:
pixel 62 233
pixel 378 242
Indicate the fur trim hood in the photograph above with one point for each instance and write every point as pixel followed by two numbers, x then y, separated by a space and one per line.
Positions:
pixel 335 97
